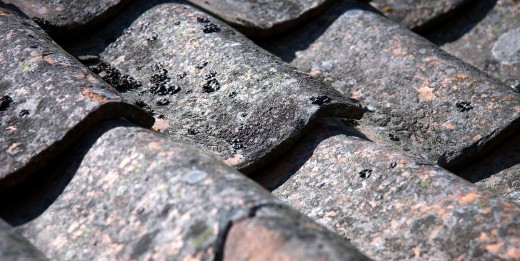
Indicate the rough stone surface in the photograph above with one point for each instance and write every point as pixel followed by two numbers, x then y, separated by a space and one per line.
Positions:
pixel 48 99
pixel 394 207
pixel 499 171
pixel 14 247
pixel 415 95
pixel 207 84
pixel 418 15
pixel 159 199
pixel 69 16
pixel 487 36
pixel 260 18
pixel 277 233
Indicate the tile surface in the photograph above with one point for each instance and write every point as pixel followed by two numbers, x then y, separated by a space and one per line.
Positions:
pixel 48 99
pixel 70 16
pixel 214 87
pixel 486 36
pixel 162 199
pixel 415 95
pixel 263 17
pixel 393 206
pixel 418 14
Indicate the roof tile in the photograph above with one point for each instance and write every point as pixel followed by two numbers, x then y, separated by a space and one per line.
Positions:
pixel 71 16
pixel 162 199
pixel 486 36
pixel 414 94
pixel 393 206
pixel 260 18
pixel 418 15
pixel 216 89
pixel 48 99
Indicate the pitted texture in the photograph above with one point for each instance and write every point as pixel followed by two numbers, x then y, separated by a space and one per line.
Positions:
pixel 263 17
pixel 207 84
pixel 392 206
pixel 415 95
pixel 418 15
pixel 493 41
pixel 158 199
pixel 68 16
pixel 48 99
pixel 14 247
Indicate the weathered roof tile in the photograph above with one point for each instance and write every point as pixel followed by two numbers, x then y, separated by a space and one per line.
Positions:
pixel 216 88
pixel 415 95
pixel 71 16
pixel 162 199
pixel 260 18
pixel 393 206
pixel 418 15
pixel 48 99
pixel 486 36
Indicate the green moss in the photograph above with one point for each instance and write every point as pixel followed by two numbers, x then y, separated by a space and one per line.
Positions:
pixel 425 184
pixel 24 67
pixel 388 9
pixel 201 238
pixel 278 78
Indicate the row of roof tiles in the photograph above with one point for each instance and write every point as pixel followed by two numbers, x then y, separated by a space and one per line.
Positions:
pixel 210 86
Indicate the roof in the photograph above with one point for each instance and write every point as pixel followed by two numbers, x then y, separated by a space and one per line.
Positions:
pixel 265 130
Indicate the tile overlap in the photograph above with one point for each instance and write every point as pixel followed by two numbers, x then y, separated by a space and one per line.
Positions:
pixel 415 95
pixel 87 174
pixel 216 89
pixel 49 99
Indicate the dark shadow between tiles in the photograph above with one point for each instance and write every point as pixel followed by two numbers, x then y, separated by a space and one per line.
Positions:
pixel 26 201
pixel 287 52
pixel 460 23
pixel 502 158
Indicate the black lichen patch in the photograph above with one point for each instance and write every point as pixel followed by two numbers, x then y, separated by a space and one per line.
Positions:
pixel 192 131
pixel 203 20
pixel 152 38
pixel 232 95
pixel 114 77
pixel 393 137
pixel 182 75
pixel 143 105
pixel 464 106
pixel 210 28
pixel 393 164
pixel 211 84
pixel 366 173
pixel 5 102
pixel 162 83
pixel 320 100
pixel 163 102
pixel 23 113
